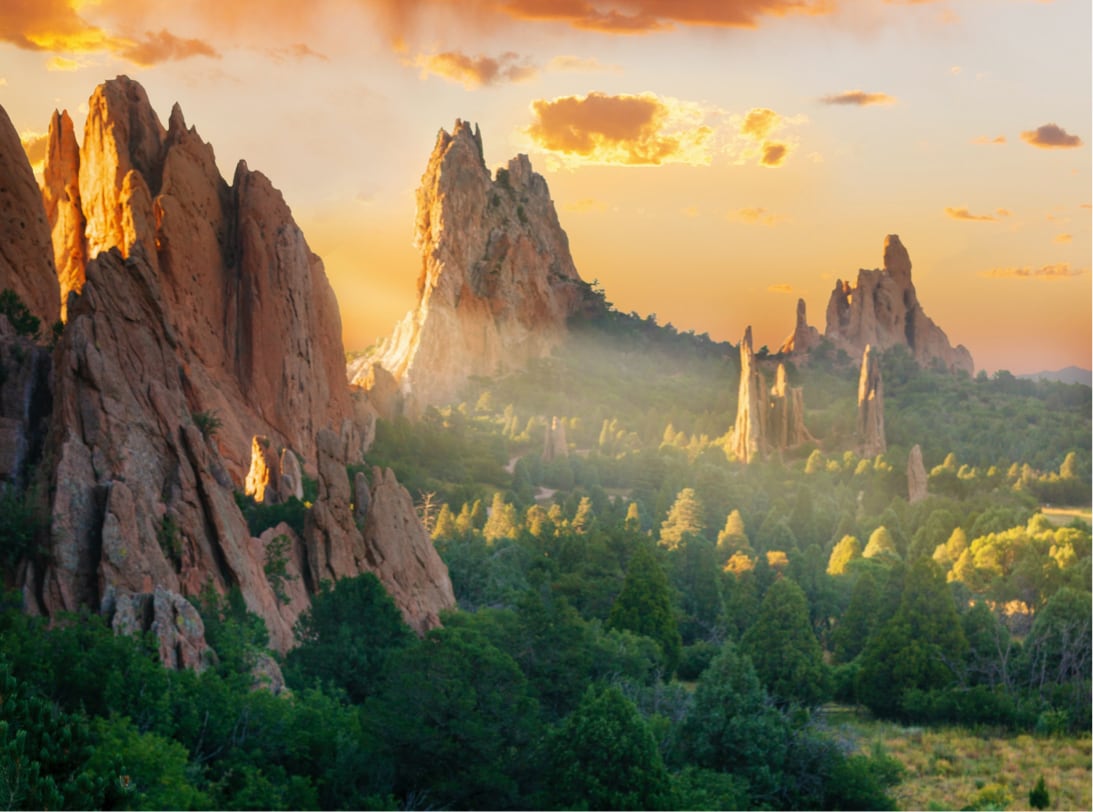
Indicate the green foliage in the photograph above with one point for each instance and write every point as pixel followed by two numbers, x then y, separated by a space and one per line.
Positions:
pixel 684 519
pixel 644 606
pixel 19 316
pixel 208 423
pixel 603 756
pixel 275 566
pixel 20 525
pixel 1038 796
pixel 346 637
pixel 784 650
pixel 261 516
pixel 169 537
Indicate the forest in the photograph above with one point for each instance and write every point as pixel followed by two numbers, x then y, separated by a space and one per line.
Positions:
pixel 643 621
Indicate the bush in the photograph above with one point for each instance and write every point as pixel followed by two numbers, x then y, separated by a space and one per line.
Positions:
pixel 19 316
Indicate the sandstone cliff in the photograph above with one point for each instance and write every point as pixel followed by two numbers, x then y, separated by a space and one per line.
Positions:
pixel 871 406
pixel 882 310
pixel 497 280
pixel 749 431
pixel 917 479
pixel 26 257
pixel 786 420
pixel 204 322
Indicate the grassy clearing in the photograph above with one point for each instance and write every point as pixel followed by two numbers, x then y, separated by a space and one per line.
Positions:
pixel 1060 516
pixel 957 768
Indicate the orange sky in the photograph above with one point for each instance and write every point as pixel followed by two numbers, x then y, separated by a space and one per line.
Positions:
pixel 710 161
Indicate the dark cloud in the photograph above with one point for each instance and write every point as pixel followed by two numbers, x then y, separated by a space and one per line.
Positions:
pixel 1051 136
pixel 858 98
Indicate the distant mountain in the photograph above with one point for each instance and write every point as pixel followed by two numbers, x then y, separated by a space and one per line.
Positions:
pixel 1069 374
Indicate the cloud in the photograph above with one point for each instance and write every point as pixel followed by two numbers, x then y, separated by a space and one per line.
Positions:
pixel 34 145
pixel 754 217
pixel 297 52
pixel 580 64
pixel 586 204
pixel 476 71
pixel 759 122
pixel 1051 136
pixel 1063 238
pixel 986 139
pixel 780 287
pixel 858 98
pixel 962 213
pixel 632 130
pixel 61 63
pixel 1045 272
pixel 646 16
pixel 774 153
pixel 163 46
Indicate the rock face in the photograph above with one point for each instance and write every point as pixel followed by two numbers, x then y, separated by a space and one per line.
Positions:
pixel 749 431
pixel 25 403
pixel 916 475
pixel 882 310
pixel 497 281
pixel 554 442
pixel 243 294
pixel 61 195
pixel 204 322
pixel 786 424
pixel 804 337
pixel 26 254
pixel 871 406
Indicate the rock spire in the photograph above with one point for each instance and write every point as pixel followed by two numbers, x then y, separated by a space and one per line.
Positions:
pixel 748 440
pixel 916 475
pixel 497 281
pixel 871 406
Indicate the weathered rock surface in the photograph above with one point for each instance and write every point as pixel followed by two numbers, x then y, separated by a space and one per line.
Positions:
pixel 882 310
pixel 61 196
pixel 26 252
pixel 497 281
pixel 25 404
pixel 749 431
pixel 554 441
pixel 804 337
pixel 244 295
pixel 397 547
pixel 916 475
pixel 786 423
pixel 871 406
pixel 171 618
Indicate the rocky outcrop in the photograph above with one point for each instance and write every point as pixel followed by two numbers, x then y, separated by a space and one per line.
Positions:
pixel 497 281
pixel 171 619
pixel 397 545
pixel 244 296
pixel 871 406
pixel 804 337
pixel 916 475
pixel 25 404
pixel 882 310
pixel 26 252
pixel 555 446
pixel 61 196
pixel 749 431
pixel 786 424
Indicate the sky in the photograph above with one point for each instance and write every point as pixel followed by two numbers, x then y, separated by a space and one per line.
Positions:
pixel 712 161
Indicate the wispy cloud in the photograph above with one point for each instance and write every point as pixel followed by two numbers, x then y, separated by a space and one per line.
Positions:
pixel 756 216
pixel 986 139
pixel 781 287
pixel 962 213
pixel 581 64
pixel 586 204
pixel 1064 238
pixel 1044 272
pixel 297 52
pixel 1051 136
pixel 34 145
pixel 858 98
pixel 476 71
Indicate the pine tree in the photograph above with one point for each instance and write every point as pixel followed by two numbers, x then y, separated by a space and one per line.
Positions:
pixel 733 538
pixel 881 545
pixel 633 517
pixel 501 523
pixel 644 606
pixel 684 517
pixel 842 554
pixel 445 523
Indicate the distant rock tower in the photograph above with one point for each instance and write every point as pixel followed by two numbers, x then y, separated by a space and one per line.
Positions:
pixel 786 426
pixel 871 406
pixel 916 475
pixel 554 443
pixel 749 432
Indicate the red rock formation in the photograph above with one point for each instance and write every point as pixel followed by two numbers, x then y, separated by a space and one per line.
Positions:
pixel 916 475
pixel 497 282
pixel 26 252
pixel 749 433
pixel 24 404
pixel 871 406
pixel 786 424
pixel 61 196
pixel 882 310
pixel 804 337
pixel 245 296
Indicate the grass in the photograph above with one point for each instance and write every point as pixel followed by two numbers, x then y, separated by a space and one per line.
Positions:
pixel 1060 516
pixel 957 768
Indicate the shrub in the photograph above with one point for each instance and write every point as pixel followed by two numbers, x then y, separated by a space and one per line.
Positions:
pixel 22 320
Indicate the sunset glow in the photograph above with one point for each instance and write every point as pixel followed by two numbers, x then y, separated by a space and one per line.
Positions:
pixel 710 161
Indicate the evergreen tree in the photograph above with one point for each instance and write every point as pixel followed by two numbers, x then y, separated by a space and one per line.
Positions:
pixel 733 538
pixel 684 517
pixel 445 526
pixel 603 756
pixel 501 523
pixel 633 518
pixel 784 650
pixel 858 621
pixel 881 545
pixel 644 606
